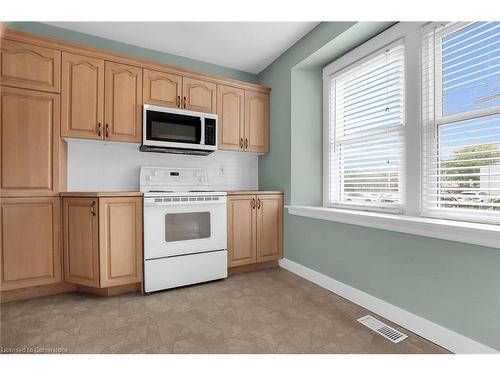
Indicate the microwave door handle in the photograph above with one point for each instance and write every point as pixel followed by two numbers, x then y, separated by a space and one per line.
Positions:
pixel 202 138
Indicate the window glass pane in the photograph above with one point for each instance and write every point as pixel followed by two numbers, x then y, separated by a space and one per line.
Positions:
pixel 367 131
pixel 471 68
pixel 187 226
pixel 469 164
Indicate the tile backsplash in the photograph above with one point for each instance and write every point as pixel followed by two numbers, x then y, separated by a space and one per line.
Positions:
pixel 110 166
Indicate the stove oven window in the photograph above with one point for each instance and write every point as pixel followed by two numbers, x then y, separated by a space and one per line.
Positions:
pixel 187 226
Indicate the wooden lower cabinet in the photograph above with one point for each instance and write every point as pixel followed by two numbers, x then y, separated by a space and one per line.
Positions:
pixel 102 240
pixel 254 224
pixel 81 241
pixel 120 240
pixel 242 230
pixel 269 227
pixel 29 242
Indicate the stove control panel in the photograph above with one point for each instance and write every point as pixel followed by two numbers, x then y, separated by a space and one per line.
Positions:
pixel 173 179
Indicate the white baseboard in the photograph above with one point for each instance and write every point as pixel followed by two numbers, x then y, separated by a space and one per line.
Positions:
pixel 433 332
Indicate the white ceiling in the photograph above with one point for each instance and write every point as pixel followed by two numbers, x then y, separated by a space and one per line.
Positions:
pixel 246 46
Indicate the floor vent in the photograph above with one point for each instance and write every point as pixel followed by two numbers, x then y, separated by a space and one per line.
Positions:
pixel 382 329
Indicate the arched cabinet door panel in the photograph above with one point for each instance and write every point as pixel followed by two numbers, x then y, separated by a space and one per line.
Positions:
pixel 163 89
pixel 123 103
pixel 231 117
pixel 29 66
pixel 82 108
pixel 198 95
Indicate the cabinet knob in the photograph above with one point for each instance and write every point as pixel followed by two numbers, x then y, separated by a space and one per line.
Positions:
pixel 92 208
pixel 178 101
pixel 258 203
pixel 107 130
pixel 253 203
pixel 241 142
pixel 184 102
pixel 246 142
pixel 99 129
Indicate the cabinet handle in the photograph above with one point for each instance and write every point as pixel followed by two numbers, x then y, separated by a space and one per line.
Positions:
pixel 253 203
pixel 246 143
pixel 258 203
pixel 241 142
pixel 107 130
pixel 178 101
pixel 99 129
pixel 184 102
pixel 92 208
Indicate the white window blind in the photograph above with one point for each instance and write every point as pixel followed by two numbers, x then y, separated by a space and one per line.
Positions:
pixel 366 129
pixel 461 121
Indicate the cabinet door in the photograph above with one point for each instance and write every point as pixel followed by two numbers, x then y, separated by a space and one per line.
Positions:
pixel 82 108
pixel 230 109
pixel 28 66
pixel 80 225
pixel 30 142
pixel 269 227
pixel 199 95
pixel 241 230
pixel 162 89
pixel 29 242
pixel 120 238
pixel 123 103
pixel 256 122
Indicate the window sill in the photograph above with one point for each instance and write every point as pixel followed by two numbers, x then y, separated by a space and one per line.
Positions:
pixel 472 233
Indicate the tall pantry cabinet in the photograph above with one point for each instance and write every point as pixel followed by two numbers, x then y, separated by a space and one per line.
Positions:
pixel 32 165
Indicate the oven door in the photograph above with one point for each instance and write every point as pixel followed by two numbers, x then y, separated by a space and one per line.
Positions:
pixel 164 127
pixel 171 230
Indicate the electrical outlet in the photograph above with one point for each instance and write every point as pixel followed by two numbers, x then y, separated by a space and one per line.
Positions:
pixel 221 170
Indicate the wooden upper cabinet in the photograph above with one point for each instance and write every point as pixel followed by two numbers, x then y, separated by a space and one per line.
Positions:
pixel 162 89
pixel 269 227
pixel 30 142
pixel 81 241
pixel 28 66
pixel 30 242
pixel 82 112
pixel 199 95
pixel 123 102
pixel 241 230
pixel 256 122
pixel 231 121
pixel 120 237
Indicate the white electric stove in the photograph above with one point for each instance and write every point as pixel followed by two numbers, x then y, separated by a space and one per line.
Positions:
pixel 185 226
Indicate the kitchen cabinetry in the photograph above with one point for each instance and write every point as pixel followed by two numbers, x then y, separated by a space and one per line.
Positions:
pixel 255 224
pixel 102 240
pixel 93 112
pixel 256 122
pixel 231 113
pixel 30 143
pixel 243 120
pixel 82 112
pixel 198 95
pixel 29 66
pixel 171 90
pixel 162 89
pixel 123 103
pixel 29 242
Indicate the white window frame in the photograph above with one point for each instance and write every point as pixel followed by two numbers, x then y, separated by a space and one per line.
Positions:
pixel 409 33
pixel 410 221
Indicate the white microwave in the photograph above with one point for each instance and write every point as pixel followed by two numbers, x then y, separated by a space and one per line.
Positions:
pixel 176 130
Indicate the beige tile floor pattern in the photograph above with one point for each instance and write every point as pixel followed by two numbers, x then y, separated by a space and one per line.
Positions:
pixel 271 311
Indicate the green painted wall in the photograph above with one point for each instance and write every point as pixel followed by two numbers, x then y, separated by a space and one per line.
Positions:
pixel 452 284
pixel 130 50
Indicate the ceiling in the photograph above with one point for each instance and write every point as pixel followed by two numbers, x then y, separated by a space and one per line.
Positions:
pixel 246 46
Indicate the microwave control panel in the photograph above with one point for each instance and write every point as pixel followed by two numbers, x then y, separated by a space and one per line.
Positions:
pixel 210 131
